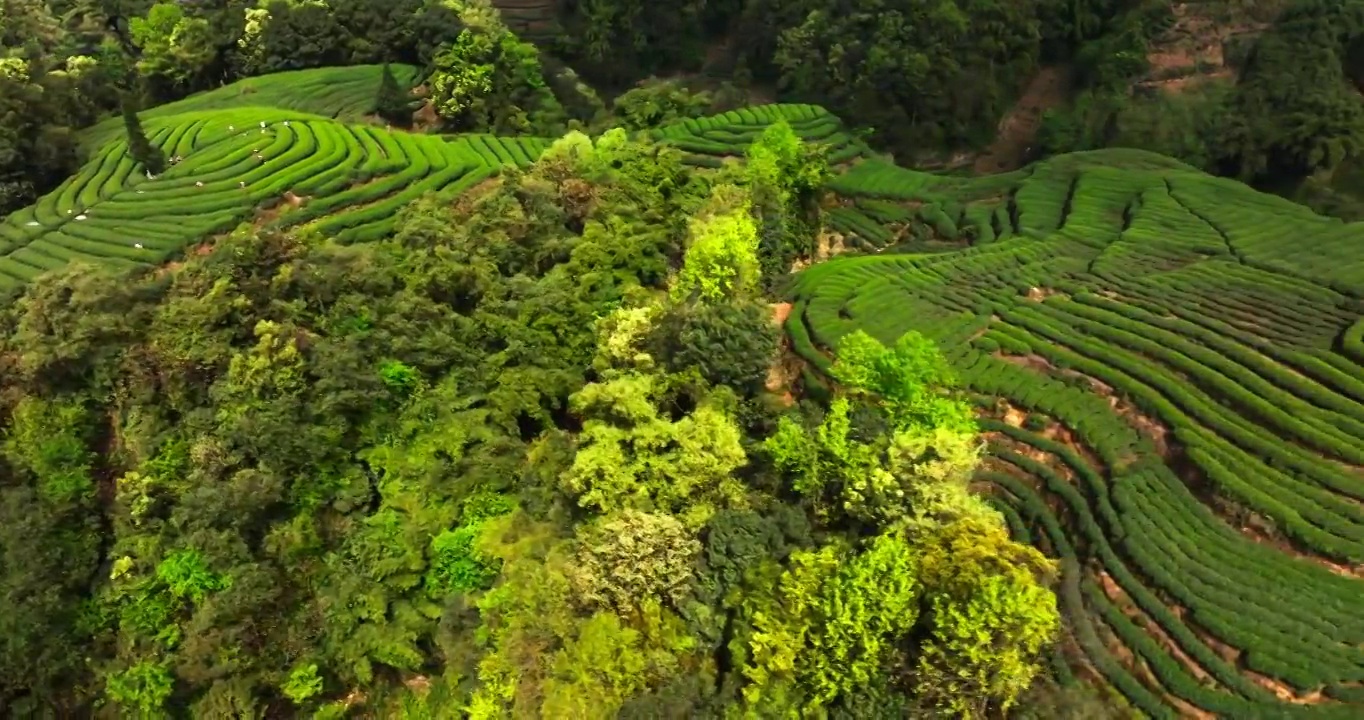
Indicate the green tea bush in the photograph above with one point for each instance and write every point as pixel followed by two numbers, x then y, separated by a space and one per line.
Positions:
pixel 1206 363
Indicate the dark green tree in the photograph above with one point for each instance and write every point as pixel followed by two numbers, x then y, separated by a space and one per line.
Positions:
pixel 141 148
pixel 392 104
pixel 730 343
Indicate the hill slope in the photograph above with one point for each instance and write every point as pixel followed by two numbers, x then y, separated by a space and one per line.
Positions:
pixel 1171 365
pixel 349 181
pixel 341 93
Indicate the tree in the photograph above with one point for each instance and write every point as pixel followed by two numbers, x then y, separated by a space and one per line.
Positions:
pixel 392 103
pixel 722 254
pixel 631 557
pixel 37 147
pixel 896 448
pixel 731 343
pixel 923 74
pixel 912 378
pixel 543 656
pixel 1295 110
pixel 632 455
pixel 174 48
pixel 829 624
pixel 288 35
pixel 654 102
pixel 990 615
pixel 619 41
pixel 152 159
pixel 488 79
pixel 785 176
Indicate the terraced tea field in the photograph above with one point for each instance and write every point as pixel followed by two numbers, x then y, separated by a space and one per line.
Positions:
pixel 708 140
pixel 341 93
pixel 1170 368
pixel 347 181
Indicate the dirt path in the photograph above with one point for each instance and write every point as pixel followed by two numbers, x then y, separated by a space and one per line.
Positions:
pixel 1018 129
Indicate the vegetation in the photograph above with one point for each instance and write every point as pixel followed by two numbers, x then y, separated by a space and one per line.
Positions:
pixel 443 453
pixel 360 359
pixel 1158 358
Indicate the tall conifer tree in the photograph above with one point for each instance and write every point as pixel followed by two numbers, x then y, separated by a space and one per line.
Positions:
pixel 142 149
pixel 392 103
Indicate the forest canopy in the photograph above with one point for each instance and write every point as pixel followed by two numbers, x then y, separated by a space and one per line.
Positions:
pixel 523 452
pixel 542 448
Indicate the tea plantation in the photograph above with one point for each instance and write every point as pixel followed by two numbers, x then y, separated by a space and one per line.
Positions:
pixel 342 93
pixel 1169 366
pixel 346 180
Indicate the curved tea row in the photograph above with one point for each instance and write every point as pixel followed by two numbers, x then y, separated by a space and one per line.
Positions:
pixel 346 181
pixel 1171 380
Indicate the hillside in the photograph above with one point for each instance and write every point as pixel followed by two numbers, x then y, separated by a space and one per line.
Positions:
pixel 284 166
pixel 396 432
pixel 1170 366
pixel 340 93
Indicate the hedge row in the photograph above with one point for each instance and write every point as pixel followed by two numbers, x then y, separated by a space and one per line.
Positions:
pixel 1162 395
pixel 230 163
pixel 1231 383
pixel 1073 606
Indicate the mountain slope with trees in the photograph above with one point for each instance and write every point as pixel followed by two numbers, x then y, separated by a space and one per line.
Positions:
pixel 489 397
pixel 523 451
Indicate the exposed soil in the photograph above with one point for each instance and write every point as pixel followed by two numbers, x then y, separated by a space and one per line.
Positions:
pixel 199 250
pixel 1018 129
pixel 1130 609
pixel 1155 430
pixel 781 377
pixel 470 198
pixel 1038 294
pixel 425 118
pixel 1188 82
pixel 780 312
pixel 1138 667
pixel 1015 417
pixel 993 319
pixel 828 244
pixel 1152 428
pixel 534 20
pixel 1192 51
pixel 265 216
pixel 1062 434
pixel 1032 362
pixel 1285 546
pixel 1228 653
pixel 1284 692
pixel 418 683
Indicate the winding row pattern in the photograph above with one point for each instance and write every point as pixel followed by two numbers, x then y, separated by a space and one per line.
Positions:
pixel 708 140
pixel 346 181
pixel 342 93
pixel 1170 368
pixel 350 182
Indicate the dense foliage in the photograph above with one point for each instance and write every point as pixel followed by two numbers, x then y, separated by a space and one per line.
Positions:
pixel 1168 366
pixel 521 452
pixel 465 426
pixel 1293 110
pixel 919 76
